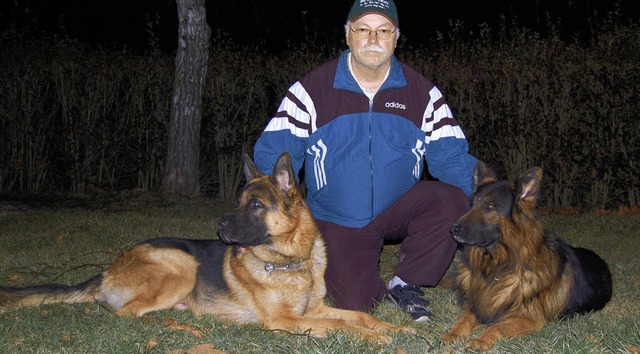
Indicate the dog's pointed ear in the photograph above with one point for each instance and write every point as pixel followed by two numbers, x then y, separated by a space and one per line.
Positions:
pixel 283 174
pixel 482 174
pixel 528 187
pixel 250 169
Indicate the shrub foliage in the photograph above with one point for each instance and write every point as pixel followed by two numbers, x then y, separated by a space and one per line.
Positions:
pixel 77 120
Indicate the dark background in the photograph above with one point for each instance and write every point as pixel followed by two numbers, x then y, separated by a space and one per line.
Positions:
pixel 276 24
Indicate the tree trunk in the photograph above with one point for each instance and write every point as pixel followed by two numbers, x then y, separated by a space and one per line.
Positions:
pixel 182 170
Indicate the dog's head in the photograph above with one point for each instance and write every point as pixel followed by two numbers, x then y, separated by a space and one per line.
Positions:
pixel 495 206
pixel 265 206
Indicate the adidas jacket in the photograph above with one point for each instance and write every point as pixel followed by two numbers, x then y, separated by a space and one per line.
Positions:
pixel 361 156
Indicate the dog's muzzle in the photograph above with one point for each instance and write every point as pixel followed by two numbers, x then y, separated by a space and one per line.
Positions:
pixel 459 232
pixel 223 226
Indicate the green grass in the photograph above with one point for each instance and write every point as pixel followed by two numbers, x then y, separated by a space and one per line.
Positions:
pixel 69 245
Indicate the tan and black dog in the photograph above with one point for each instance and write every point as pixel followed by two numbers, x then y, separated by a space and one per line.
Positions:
pixel 268 269
pixel 514 275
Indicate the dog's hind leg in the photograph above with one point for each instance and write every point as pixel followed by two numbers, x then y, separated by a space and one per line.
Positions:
pixel 161 292
pixel 149 278
pixel 505 329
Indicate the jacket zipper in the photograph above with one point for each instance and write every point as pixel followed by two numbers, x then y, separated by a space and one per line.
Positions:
pixel 371 201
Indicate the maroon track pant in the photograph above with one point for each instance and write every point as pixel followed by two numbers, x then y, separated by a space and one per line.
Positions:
pixel 421 219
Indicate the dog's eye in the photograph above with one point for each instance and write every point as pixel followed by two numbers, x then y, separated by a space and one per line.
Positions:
pixel 255 203
pixel 491 206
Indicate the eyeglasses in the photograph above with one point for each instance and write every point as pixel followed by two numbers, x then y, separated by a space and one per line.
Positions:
pixel 364 33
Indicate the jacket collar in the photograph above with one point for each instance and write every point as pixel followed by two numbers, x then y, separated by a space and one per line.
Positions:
pixel 344 79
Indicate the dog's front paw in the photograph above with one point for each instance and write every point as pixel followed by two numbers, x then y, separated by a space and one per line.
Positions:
pixel 477 345
pixel 451 337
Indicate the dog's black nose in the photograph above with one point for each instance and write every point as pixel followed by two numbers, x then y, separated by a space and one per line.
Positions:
pixel 456 229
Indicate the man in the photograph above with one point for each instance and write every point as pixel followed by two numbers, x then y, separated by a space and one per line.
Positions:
pixel 362 126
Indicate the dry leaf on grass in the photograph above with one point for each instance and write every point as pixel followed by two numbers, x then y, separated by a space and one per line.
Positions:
pixel 633 349
pixel 15 277
pixel 60 237
pixel 174 325
pixel 152 343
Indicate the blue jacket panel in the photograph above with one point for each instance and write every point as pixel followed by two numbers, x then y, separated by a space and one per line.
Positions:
pixel 359 155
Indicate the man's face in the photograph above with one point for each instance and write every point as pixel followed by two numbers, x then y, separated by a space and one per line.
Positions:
pixel 371 51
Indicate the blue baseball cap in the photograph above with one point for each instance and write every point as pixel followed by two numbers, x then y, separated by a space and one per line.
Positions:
pixel 386 8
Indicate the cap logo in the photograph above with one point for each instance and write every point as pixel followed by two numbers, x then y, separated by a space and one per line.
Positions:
pixel 375 3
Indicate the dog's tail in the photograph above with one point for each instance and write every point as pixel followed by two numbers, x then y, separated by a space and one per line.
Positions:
pixel 50 293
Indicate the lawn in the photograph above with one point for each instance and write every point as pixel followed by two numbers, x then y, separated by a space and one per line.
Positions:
pixel 65 244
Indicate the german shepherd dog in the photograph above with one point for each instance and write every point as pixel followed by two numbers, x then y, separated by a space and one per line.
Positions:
pixel 268 269
pixel 514 275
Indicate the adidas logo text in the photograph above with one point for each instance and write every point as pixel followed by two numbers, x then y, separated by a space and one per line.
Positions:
pixel 395 105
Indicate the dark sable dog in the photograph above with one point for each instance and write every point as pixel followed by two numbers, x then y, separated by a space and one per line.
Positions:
pixel 269 270
pixel 514 275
